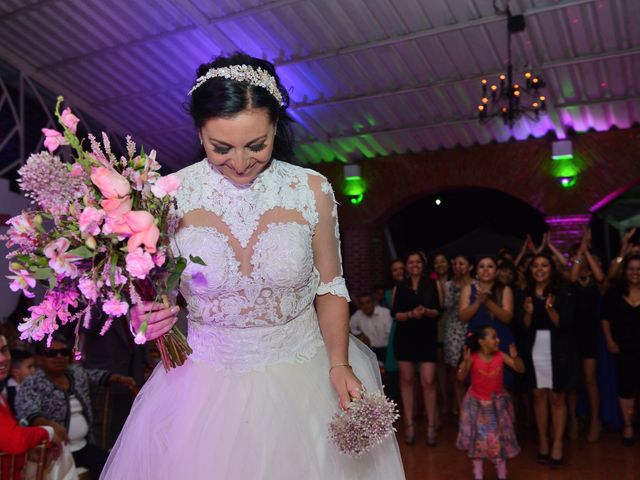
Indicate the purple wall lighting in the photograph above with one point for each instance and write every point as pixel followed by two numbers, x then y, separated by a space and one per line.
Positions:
pixel 567 230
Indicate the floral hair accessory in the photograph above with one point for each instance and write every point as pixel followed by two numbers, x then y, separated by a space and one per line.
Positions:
pixel 243 73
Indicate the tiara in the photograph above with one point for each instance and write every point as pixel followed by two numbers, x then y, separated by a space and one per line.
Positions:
pixel 243 73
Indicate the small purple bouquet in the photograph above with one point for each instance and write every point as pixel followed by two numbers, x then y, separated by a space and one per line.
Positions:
pixel 97 234
pixel 364 424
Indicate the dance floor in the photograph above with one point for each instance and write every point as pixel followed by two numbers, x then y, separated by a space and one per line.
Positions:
pixel 606 459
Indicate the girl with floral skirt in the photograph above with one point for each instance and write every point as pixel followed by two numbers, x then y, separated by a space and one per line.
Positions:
pixel 487 422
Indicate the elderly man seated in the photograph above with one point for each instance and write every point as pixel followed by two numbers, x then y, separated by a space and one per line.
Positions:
pixel 372 324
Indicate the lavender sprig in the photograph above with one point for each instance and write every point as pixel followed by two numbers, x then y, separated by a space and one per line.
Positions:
pixel 364 424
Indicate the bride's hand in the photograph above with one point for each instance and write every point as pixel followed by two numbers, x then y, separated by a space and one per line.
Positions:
pixel 346 385
pixel 160 319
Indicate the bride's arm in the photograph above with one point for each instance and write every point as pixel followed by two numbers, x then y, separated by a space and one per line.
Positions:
pixel 332 295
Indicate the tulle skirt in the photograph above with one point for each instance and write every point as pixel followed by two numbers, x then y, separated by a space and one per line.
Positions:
pixel 197 422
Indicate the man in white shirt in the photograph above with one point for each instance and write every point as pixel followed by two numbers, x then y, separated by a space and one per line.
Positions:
pixel 372 324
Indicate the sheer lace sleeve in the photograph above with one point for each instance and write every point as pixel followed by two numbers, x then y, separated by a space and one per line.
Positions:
pixel 326 240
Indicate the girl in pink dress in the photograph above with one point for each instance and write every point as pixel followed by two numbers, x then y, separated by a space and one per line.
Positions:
pixel 487 418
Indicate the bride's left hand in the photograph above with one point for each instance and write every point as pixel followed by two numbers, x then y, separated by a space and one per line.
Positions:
pixel 346 385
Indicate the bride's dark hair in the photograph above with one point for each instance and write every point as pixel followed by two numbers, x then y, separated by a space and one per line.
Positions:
pixel 223 97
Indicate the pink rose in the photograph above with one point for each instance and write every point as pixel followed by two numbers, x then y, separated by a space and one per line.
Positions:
pixel 139 263
pixel 168 185
pixel 69 120
pixel 90 220
pixel 115 307
pixel 53 139
pixel 145 232
pixel 110 182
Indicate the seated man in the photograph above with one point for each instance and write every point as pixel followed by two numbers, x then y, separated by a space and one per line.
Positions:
pixel 58 395
pixel 14 439
pixel 372 324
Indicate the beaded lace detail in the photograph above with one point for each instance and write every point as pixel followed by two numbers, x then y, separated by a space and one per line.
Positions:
pixel 269 249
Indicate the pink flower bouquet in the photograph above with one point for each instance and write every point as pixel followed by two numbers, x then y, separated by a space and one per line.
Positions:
pixel 364 424
pixel 97 235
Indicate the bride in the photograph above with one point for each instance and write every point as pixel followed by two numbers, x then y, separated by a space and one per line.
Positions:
pixel 269 369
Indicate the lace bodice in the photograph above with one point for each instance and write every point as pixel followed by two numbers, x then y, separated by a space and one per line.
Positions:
pixel 269 249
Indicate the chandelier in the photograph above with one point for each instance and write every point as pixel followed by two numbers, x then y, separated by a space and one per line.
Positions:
pixel 507 98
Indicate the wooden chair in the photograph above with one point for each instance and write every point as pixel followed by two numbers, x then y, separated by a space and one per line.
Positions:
pixel 37 454
pixel 105 418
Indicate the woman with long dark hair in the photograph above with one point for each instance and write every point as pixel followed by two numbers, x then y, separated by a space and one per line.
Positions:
pixel 455 330
pixel 268 312
pixel 416 308
pixel 549 352
pixel 488 303
pixel 621 326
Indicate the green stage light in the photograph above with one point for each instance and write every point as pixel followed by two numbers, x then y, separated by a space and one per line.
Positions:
pixel 567 182
pixel 563 157
pixel 354 185
pixel 356 199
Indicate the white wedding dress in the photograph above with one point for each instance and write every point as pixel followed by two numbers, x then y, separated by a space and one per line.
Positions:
pixel 254 399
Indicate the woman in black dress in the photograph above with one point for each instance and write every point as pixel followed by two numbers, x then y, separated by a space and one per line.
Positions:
pixel 589 283
pixel 549 352
pixel 416 308
pixel 621 326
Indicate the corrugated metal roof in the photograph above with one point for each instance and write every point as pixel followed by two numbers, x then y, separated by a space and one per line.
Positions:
pixel 367 77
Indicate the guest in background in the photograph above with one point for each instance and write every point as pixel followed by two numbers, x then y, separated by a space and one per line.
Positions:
pixel 441 268
pixel 621 326
pixel 23 365
pixel 528 248
pixel 630 246
pixel 550 352
pixel 505 253
pixel 380 296
pixel 589 284
pixel 416 308
pixel 489 303
pixel 58 396
pixel 442 271
pixel 372 324
pixel 506 273
pixel 15 439
pixel 396 268
pixel 455 330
